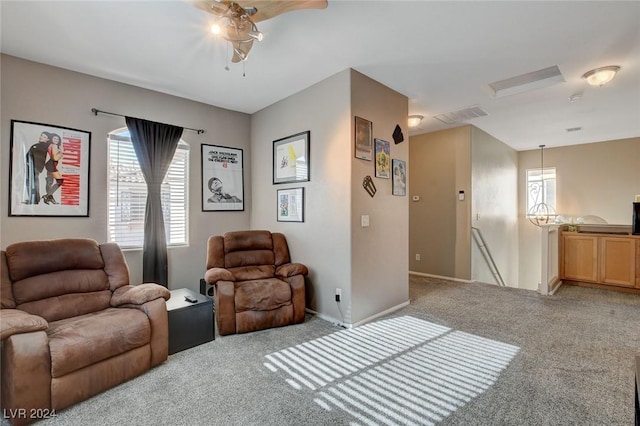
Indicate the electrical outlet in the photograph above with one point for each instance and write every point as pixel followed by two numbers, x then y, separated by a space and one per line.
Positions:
pixel 338 294
pixel 417 256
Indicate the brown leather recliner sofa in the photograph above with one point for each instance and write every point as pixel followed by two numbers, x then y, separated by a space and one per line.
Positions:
pixel 72 326
pixel 257 286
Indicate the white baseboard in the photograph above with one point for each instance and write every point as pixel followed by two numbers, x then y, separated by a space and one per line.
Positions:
pixel 364 321
pixel 421 274
pixel 379 314
pixel 555 286
pixel 329 319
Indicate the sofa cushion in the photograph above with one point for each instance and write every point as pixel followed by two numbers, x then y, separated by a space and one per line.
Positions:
pixel 249 258
pixel 262 295
pixel 68 305
pixel 247 240
pixel 247 273
pixel 80 341
pixel 30 258
pixel 248 321
pixel 58 283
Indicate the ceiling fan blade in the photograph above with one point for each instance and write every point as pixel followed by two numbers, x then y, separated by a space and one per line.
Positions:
pixel 268 9
pixel 241 50
pixel 211 6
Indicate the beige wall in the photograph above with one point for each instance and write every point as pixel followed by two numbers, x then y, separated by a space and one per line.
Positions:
pixel 40 93
pixel 600 179
pixel 379 252
pixel 322 241
pixel 494 211
pixel 338 252
pixel 439 167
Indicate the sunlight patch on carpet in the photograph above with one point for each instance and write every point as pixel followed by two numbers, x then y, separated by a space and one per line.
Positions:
pixel 397 371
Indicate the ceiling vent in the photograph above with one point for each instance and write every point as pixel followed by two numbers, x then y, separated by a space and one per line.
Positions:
pixel 525 82
pixel 461 115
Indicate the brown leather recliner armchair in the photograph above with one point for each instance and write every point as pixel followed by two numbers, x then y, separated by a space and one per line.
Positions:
pixel 72 326
pixel 257 286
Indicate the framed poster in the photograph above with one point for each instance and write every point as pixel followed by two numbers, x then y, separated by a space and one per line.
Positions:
pixel 291 205
pixel 49 170
pixel 222 178
pixel 383 159
pixel 399 179
pixel 364 138
pixel 291 158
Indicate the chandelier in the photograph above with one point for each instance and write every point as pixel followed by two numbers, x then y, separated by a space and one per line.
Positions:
pixel 540 213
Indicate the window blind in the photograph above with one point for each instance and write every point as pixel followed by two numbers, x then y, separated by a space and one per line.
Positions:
pixel 128 194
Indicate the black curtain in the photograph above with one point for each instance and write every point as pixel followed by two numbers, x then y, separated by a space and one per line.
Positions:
pixel 154 144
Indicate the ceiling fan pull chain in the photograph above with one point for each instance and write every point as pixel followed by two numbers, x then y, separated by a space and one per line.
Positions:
pixel 226 67
pixel 243 68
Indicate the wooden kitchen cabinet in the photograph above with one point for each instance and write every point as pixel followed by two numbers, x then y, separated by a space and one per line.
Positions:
pixel 580 257
pixel 618 261
pixel 602 259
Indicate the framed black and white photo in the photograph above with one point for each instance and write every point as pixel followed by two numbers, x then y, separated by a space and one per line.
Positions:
pixel 222 179
pixel 291 158
pixel 49 170
pixel 399 177
pixel 364 138
pixel 291 205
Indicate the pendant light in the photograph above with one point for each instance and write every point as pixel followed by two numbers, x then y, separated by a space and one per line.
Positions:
pixel 540 213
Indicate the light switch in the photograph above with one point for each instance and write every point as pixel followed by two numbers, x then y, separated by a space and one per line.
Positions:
pixel 364 220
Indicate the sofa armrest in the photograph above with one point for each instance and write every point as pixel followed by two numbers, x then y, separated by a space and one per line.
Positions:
pixel 139 294
pixel 15 321
pixel 225 307
pixel 291 269
pixel 214 275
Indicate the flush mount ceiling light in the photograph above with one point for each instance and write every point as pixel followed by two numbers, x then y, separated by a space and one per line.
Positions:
pixel 601 76
pixel 414 120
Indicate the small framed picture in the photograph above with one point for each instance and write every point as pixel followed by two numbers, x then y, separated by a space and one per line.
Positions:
pixel 291 158
pixel 291 205
pixel 222 179
pixel 399 170
pixel 49 170
pixel 383 159
pixel 364 139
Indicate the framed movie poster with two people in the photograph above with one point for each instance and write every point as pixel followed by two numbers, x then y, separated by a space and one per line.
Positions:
pixel 49 170
pixel 222 180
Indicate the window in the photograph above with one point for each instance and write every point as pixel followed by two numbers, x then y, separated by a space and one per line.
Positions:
pixel 541 187
pixel 128 194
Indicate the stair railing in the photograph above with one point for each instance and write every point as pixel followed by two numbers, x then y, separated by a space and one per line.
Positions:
pixel 484 249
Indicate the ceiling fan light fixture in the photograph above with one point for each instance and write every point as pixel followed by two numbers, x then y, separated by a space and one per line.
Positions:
pixel 601 76
pixel 414 120
pixel 255 34
pixel 216 28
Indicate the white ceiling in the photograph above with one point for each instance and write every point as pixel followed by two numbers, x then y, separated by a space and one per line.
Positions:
pixel 441 55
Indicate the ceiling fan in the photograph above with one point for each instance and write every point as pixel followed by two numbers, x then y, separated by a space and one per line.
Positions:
pixel 236 19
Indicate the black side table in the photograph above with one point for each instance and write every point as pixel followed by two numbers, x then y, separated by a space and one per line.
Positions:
pixel 190 324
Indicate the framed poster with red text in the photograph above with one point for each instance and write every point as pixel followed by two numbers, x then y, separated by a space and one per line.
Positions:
pixel 49 170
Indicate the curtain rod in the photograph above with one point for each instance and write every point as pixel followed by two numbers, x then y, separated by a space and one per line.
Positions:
pixel 96 111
